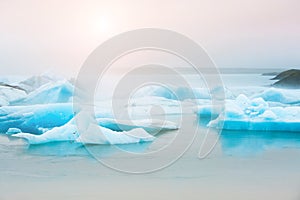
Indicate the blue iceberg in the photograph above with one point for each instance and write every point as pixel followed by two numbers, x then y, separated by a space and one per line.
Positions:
pixel 35 118
pixel 256 114
pixel 285 96
pixel 69 132
pixel 58 92
pixel 40 110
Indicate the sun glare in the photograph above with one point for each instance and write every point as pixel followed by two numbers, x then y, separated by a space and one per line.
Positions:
pixel 104 25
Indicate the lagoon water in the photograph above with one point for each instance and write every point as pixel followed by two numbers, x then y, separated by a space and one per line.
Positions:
pixel 242 165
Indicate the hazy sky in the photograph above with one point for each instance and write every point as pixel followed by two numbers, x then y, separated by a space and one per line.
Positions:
pixel 59 35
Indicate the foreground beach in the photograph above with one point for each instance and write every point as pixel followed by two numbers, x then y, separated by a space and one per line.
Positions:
pixel 264 166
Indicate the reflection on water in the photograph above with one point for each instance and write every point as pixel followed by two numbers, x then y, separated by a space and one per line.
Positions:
pixel 249 143
pixel 58 149
pixel 76 149
pixel 232 143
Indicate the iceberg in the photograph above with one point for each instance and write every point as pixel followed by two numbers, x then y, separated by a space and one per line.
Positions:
pixel 285 96
pixel 38 118
pixel 57 92
pixel 179 93
pixel 10 94
pixel 36 90
pixel 34 82
pixel 108 136
pixel 151 126
pixel 35 118
pixel 206 109
pixel 69 132
pixel 160 107
pixel 256 114
pixel 183 93
pixel 66 132
pixel 142 107
pixel 11 131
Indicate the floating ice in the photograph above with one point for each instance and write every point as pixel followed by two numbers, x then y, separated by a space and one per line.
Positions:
pixel 35 90
pixel 285 96
pixel 35 118
pixel 38 118
pixel 206 109
pixel 58 92
pixel 32 83
pixel 144 107
pixel 94 135
pixel 180 93
pixel 10 94
pixel 107 136
pixel 148 125
pixel 3 101
pixel 11 131
pixel 66 132
pixel 256 114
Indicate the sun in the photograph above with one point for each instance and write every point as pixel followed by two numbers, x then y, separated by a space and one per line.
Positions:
pixel 104 25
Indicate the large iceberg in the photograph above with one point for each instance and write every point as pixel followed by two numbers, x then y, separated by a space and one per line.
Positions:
pixel 95 134
pixel 285 96
pixel 10 93
pixel 256 114
pixel 58 92
pixel 35 118
pixel 36 90
pixel 182 93
pixel 32 83
pixel 179 93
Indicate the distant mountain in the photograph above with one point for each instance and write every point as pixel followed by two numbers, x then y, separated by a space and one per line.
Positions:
pixel 270 74
pixel 288 79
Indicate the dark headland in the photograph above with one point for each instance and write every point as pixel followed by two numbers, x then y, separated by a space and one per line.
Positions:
pixel 288 79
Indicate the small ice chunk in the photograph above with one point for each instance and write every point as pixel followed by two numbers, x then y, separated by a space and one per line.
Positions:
pixel 11 131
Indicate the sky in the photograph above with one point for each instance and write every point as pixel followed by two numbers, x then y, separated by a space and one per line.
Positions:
pixel 37 36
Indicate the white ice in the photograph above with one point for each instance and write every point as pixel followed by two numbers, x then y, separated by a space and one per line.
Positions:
pixel 93 135
pixel 57 92
pixel 244 113
pixel 42 109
